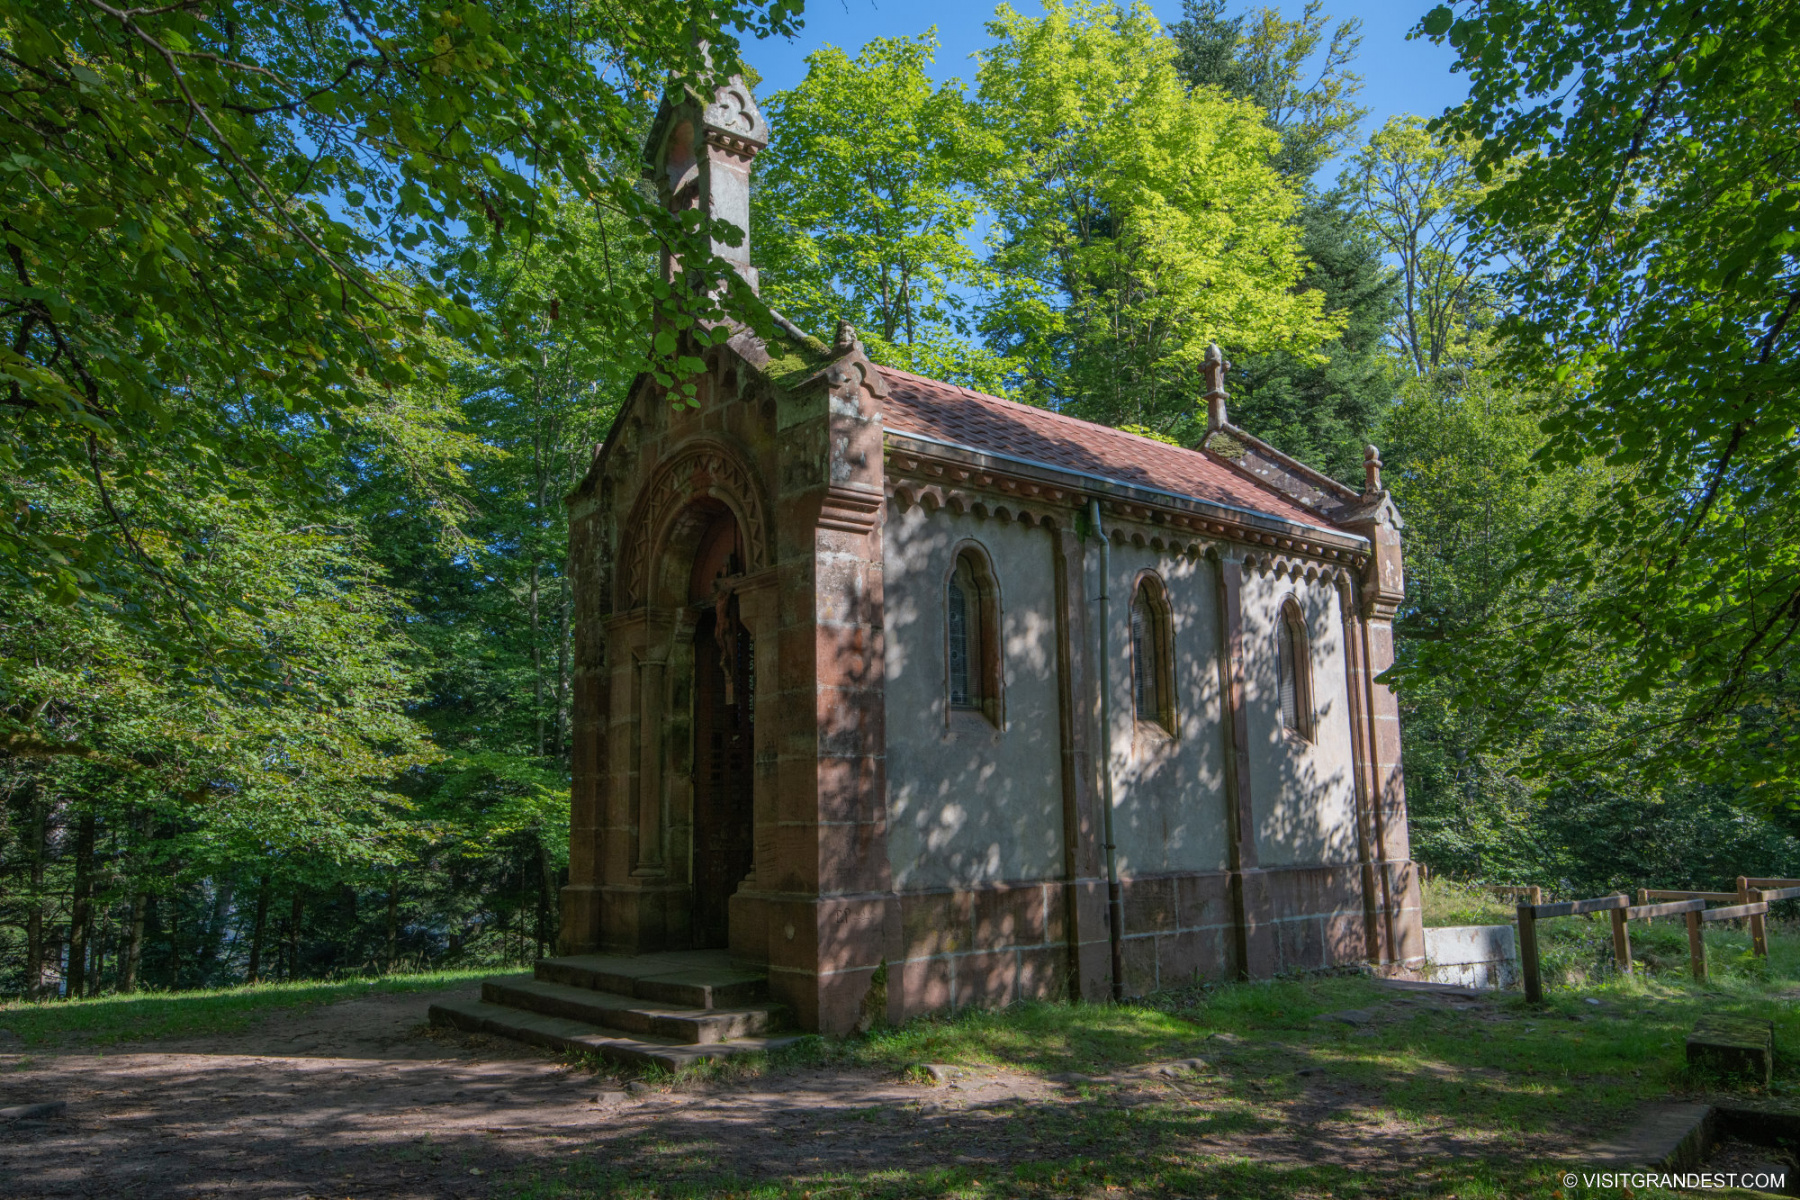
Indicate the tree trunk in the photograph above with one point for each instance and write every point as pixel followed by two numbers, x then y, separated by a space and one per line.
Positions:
pixel 546 896
pixel 211 937
pixel 537 662
pixel 540 464
pixel 293 971
pixel 103 941
pixel 134 950
pixel 175 940
pixel 81 912
pixel 537 916
pixel 254 974
pixel 562 665
pixel 393 924
pixel 34 916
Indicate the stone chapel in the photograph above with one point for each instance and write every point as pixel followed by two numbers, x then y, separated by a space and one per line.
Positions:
pixel 914 698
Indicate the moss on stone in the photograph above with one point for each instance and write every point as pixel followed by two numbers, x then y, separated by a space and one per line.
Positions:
pixel 1225 446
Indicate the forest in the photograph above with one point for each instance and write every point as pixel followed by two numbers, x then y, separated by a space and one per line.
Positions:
pixel 313 314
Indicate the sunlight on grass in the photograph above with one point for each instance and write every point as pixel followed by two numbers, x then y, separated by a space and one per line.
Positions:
pixel 1121 1172
pixel 1451 902
pixel 1040 1036
pixel 103 1020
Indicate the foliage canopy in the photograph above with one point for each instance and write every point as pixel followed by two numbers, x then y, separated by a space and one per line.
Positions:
pixel 226 224
pixel 864 205
pixel 1643 170
pixel 1134 220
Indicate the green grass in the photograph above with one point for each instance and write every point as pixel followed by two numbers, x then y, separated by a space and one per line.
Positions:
pixel 145 1016
pixel 1449 902
pixel 1578 951
pixel 1046 1038
pixel 1217 1177
pixel 1568 1068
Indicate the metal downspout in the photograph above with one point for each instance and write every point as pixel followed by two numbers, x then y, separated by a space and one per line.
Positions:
pixel 1115 900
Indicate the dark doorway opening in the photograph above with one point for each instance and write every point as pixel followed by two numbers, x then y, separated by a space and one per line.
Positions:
pixel 723 746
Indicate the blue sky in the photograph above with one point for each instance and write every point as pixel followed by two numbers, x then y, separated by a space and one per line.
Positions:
pixel 1398 76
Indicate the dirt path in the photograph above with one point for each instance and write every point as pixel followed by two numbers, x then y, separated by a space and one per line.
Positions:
pixel 355 1101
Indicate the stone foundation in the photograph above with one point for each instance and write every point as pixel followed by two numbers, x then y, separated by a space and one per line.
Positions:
pixel 1005 943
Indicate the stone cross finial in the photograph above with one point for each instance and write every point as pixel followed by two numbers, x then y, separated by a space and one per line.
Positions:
pixel 1371 470
pixel 1214 369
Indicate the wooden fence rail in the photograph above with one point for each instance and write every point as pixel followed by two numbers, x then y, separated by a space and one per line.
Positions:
pixel 1761 888
pixel 1692 905
pixel 1643 912
pixel 1530 914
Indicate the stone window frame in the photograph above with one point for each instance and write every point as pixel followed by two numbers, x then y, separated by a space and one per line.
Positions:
pixel 985 656
pixel 1303 723
pixel 1154 591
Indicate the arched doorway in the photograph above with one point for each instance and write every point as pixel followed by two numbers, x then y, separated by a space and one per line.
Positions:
pixel 724 737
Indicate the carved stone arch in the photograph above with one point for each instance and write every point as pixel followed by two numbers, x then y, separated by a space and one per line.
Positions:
pixel 701 470
pixel 1294 637
pixel 983 664
pixel 1151 637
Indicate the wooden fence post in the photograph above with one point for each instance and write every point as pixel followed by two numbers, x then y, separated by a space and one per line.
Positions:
pixel 1528 953
pixel 1537 894
pixel 1696 947
pixel 1759 934
pixel 1644 899
pixel 1621 938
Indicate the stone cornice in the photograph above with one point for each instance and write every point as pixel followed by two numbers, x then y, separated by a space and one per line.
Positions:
pixel 922 470
pixel 740 147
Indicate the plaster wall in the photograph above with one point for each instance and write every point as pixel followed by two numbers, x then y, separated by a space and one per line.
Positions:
pixel 1169 813
pixel 1303 794
pixel 970 803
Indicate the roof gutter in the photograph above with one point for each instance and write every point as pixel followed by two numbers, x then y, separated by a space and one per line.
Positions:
pixel 1089 478
pixel 1115 898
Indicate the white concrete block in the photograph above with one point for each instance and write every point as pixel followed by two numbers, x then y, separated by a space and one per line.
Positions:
pixel 1472 955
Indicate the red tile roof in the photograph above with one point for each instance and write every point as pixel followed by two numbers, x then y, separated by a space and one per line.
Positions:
pixel 987 423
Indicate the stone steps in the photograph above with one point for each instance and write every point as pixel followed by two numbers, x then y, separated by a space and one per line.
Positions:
pixel 696 979
pixel 666 1010
pixel 561 1033
pixel 683 1023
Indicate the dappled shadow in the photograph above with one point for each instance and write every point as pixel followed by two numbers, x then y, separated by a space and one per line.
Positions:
pixel 176 1124
pixel 1405 1083
pixel 974 797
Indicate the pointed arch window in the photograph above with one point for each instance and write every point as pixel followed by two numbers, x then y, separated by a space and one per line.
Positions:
pixel 972 634
pixel 1152 668
pixel 1293 662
